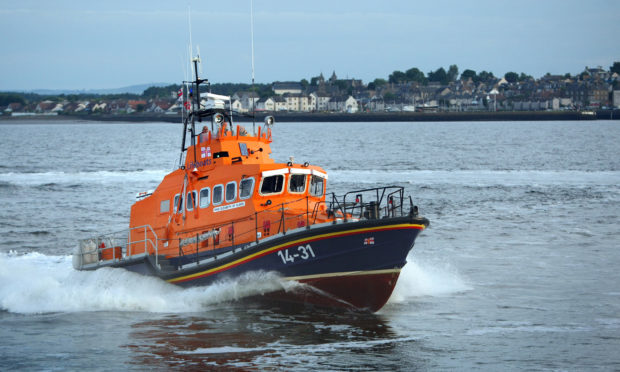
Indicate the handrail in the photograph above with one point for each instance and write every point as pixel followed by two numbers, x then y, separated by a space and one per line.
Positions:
pixel 380 202
pixel 338 208
pixel 92 250
pixel 374 207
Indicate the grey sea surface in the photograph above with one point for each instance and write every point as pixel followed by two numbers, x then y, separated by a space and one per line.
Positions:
pixel 519 270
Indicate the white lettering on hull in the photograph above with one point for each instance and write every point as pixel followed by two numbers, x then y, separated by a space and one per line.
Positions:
pixel 229 206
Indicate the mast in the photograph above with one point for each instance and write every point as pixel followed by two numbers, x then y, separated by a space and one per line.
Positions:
pixel 253 89
pixel 194 112
pixel 188 89
pixel 194 109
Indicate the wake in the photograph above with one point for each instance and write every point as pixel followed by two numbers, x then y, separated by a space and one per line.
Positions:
pixel 35 283
pixel 419 278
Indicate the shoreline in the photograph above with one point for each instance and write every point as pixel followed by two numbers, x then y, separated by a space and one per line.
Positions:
pixel 285 117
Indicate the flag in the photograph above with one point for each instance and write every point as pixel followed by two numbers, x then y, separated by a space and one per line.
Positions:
pixel 205 152
pixel 187 105
pixel 180 92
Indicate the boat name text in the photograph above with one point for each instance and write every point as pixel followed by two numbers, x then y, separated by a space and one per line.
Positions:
pixel 229 206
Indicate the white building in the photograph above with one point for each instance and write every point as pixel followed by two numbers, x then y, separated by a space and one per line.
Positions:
pixel 248 100
pixel 237 106
pixel 300 102
pixel 321 101
pixel 283 87
pixel 343 104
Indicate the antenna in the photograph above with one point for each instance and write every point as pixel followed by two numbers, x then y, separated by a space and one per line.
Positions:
pixel 189 60
pixel 189 21
pixel 199 60
pixel 253 90
pixel 252 34
pixel 182 97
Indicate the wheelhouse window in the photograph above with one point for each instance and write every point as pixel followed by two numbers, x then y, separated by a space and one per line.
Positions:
pixel 243 149
pixel 297 183
pixel 246 187
pixel 272 184
pixel 205 197
pixel 191 200
pixel 218 194
pixel 231 191
pixel 164 206
pixel 316 186
pixel 178 203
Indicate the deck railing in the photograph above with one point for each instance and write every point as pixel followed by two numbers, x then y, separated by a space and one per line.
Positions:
pixel 210 240
pixel 368 204
pixel 115 246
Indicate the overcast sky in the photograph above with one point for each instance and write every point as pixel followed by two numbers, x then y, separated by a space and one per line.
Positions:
pixel 110 44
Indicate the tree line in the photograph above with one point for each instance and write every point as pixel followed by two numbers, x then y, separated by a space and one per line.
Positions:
pixel 443 76
pixel 228 89
pixel 162 92
pixel 412 75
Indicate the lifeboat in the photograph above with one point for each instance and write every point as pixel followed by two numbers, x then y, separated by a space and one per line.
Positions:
pixel 229 209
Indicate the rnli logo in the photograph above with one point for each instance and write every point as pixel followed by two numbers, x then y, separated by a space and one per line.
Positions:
pixel 369 241
pixel 205 152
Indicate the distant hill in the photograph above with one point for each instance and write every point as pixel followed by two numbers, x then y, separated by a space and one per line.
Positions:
pixel 133 89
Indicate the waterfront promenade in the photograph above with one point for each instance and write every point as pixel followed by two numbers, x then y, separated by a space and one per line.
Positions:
pixel 344 117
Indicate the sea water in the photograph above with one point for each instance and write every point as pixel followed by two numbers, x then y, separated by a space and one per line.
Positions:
pixel 519 270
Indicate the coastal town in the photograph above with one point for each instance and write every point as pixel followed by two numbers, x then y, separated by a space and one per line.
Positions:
pixel 595 88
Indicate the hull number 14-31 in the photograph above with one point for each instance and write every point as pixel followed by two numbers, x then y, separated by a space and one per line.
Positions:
pixel 302 252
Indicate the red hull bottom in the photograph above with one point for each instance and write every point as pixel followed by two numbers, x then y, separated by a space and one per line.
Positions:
pixel 365 291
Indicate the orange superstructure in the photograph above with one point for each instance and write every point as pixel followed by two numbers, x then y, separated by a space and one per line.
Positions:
pixel 227 187
pixel 229 209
